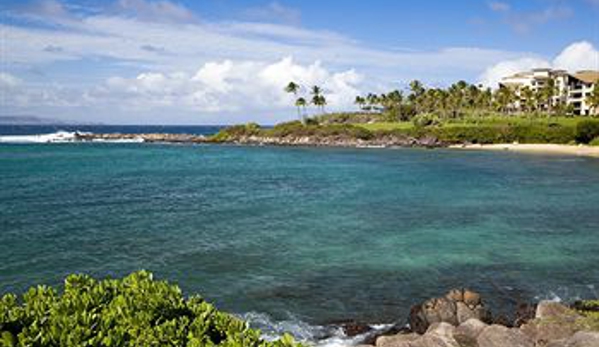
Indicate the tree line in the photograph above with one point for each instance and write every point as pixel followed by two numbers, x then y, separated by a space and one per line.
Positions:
pixel 316 98
pixel 452 102
pixel 462 97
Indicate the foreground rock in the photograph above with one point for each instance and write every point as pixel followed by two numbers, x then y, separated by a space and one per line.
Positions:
pixel 456 320
pixel 456 307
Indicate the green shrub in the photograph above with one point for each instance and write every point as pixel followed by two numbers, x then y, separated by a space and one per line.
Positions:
pixel 595 141
pixel 236 131
pixel 133 311
pixel 587 130
pixel 589 310
pixel 425 120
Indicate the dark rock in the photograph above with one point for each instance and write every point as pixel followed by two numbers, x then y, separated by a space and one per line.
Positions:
pixel 502 320
pixel 353 328
pixel 524 313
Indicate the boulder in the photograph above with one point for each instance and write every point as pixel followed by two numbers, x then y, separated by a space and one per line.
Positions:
pixel 583 339
pixel 467 333
pixel 500 336
pixel 437 335
pixel 399 340
pixel 456 307
pixel 551 309
pixel 553 321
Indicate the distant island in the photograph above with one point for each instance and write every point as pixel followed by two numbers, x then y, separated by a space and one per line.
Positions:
pixel 36 120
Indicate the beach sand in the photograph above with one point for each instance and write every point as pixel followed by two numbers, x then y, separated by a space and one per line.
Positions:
pixel 579 150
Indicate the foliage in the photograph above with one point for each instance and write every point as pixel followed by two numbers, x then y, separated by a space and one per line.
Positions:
pixel 236 131
pixel 595 142
pixel 349 118
pixel 133 311
pixel 587 130
pixel 589 310
pixel 425 120
pixel 297 129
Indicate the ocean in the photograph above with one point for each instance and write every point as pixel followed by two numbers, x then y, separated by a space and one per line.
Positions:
pixel 296 238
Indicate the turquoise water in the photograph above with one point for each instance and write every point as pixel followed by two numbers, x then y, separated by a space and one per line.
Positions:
pixel 299 233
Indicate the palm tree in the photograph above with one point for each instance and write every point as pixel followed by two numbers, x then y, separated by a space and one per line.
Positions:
pixel 416 92
pixel 593 100
pixel 504 98
pixel 528 99
pixel 547 94
pixel 293 88
pixel 319 101
pixel 372 100
pixel 361 102
pixel 301 103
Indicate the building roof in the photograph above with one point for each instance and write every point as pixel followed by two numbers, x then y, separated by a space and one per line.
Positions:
pixel 587 76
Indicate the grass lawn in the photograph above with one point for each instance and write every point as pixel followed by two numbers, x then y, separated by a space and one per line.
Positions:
pixel 386 126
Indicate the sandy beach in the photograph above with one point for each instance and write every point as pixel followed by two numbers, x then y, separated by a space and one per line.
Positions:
pixel 579 150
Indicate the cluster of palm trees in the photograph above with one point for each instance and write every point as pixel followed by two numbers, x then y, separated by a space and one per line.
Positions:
pixel 460 98
pixel 316 98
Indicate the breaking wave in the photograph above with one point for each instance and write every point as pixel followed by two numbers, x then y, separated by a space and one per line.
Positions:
pixel 59 137
pixel 314 335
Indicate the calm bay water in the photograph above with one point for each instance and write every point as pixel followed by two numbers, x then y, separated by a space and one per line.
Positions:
pixel 300 233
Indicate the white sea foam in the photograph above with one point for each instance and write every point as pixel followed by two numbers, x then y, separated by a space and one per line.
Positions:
pixel 60 137
pixel 57 137
pixel 314 335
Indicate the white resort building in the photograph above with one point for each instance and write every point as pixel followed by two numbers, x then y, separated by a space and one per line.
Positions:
pixel 571 89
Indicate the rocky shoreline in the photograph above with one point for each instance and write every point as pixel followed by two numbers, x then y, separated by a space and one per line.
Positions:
pixel 461 319
pixel 157 137
pixel 312 141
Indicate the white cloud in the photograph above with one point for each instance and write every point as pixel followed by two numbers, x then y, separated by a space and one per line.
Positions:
pixel 524 22
pixel 163 58
pixel 494 74
pixel 274 12
pixel 155 10
pixel 8 81
pixel 228 86
pixel 577 56
pixel 499 6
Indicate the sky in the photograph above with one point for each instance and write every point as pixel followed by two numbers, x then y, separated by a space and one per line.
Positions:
pixel 225 61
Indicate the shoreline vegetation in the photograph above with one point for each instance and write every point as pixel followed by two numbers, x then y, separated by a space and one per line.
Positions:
pixel 522 133
pixel 462 116
pixel 138 310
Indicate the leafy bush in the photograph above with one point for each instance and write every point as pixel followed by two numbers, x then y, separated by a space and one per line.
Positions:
pixel 297 129
pixel 587 130
pixel 589 310
pixel 502 133
pixel 237 131
pixel 595 141
pixel 425 120
pixel 133 311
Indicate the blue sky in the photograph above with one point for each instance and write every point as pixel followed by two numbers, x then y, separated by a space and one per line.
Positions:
pixel 224 61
